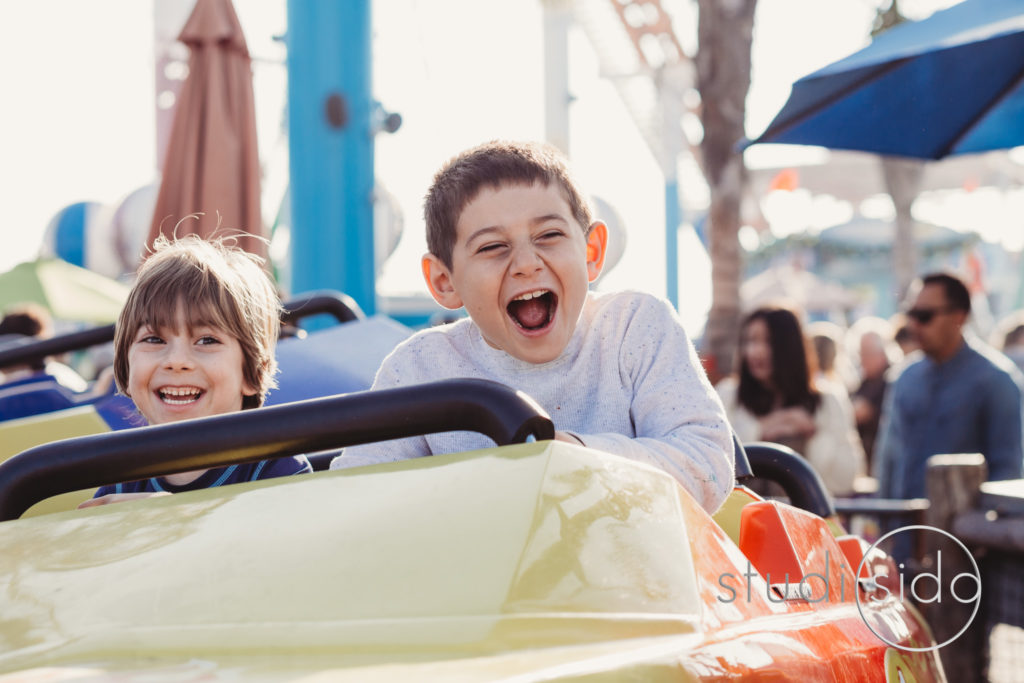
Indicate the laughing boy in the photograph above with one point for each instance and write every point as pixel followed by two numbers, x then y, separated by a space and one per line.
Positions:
pixel 512 240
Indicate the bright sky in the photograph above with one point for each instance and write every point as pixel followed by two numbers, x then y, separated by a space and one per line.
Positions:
pixel 79 114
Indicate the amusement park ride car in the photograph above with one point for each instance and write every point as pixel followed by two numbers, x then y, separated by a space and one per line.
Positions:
pixel 533 560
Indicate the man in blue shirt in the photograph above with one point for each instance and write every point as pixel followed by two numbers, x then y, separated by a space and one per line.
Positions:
pixel 961 397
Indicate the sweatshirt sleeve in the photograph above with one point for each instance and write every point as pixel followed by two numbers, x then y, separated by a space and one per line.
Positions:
pixel 679 421
pixel 392 373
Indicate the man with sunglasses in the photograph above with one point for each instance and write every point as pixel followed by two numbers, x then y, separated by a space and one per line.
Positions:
pixel 961 397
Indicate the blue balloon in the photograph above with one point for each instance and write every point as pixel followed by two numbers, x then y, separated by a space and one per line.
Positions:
pixel 67 231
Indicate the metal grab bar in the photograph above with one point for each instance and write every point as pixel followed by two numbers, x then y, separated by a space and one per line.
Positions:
pixel 495 410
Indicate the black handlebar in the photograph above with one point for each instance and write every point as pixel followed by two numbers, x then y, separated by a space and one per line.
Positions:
pixel 32 350
pixel 341 306
pixel 793 473
pixel 503 414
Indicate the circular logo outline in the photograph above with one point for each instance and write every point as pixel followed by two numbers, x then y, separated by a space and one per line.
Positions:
pixel 977 574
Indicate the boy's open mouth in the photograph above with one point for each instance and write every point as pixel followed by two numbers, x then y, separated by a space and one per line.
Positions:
pixel 533 310
pixel 179 396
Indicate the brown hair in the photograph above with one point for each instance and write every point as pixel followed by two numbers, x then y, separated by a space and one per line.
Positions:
pixel 493 164
pixel 958 296
pixel 213 283
pixel 793 365
pixel 27 319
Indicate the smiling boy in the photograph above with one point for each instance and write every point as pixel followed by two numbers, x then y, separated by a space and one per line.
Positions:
pixel 196 337
pixel 511 239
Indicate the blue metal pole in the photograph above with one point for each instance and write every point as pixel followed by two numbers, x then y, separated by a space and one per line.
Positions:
pixel 672 219
pixel 331 148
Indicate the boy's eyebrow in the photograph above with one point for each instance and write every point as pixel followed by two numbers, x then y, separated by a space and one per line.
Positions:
pixel 482 231
pixel 143 330
pixel 550 217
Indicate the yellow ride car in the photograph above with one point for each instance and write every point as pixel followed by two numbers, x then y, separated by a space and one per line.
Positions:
pixel 535 561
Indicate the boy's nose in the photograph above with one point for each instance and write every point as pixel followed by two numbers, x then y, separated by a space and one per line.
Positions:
pixel 178 356
pixel 526 261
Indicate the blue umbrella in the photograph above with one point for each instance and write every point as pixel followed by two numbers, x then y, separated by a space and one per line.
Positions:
pixel 950 84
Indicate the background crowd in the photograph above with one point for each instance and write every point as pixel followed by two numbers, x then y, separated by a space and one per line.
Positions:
pixel 869 404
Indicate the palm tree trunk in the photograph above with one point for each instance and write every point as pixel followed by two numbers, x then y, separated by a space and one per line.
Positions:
pixel 725 34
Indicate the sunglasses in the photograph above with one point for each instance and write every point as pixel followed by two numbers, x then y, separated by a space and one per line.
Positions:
pixel 925 315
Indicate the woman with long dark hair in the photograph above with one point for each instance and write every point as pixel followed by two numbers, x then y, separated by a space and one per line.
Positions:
pixel 774 398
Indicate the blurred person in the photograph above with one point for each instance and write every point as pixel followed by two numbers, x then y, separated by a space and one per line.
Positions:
pixel 835 373
pixel 903 335
pixel 834 364
pixel 1013 345
pixel 774 398
pixel 961 396
pixel 877 352
pixel 27 321
pixel 1009 338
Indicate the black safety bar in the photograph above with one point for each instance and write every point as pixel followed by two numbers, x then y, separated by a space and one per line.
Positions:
pixel 793 473
pixel 341 306
pixel 503 414
pixel 32 350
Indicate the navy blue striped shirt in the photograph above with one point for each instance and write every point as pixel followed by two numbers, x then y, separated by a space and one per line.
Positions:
pixel 218 476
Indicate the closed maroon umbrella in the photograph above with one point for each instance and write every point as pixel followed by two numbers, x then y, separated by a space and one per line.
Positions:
pixel 212 164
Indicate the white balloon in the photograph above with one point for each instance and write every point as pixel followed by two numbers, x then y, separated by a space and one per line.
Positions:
pixel 604 211
pixel 388 223
pixel 130 227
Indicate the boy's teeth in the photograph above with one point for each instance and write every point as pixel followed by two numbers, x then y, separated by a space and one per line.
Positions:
pixel 180 392
pixel 531 295
pixel 180 395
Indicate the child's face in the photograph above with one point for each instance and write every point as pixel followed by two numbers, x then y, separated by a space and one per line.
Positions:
pixel 176 374
pixel 520 267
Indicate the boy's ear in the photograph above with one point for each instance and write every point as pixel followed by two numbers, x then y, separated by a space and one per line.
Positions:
pixel 248 389
pixel 439 281
pixel 597 248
